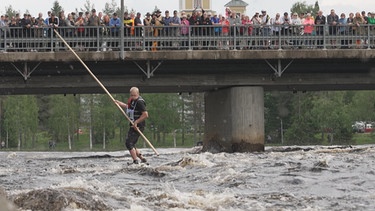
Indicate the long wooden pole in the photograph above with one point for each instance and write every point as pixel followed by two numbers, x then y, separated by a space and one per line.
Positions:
pixel 106 91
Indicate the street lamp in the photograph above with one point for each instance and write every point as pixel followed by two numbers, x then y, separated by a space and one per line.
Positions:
pixel 122 55
pixel 281 130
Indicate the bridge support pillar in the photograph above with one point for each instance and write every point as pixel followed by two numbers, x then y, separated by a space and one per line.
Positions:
pixel 234 120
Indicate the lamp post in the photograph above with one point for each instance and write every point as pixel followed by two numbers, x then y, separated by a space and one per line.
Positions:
pixel 281 129
pixel 122 55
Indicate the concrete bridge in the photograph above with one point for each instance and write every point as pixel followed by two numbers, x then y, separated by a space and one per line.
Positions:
pixel 187 71
pixel 233 80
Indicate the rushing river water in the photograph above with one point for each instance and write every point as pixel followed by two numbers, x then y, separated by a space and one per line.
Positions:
pixel 281 178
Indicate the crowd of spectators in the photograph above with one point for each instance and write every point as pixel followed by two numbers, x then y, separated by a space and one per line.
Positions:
pixel 92 24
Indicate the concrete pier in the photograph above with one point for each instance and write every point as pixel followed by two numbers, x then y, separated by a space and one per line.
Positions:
pixel 234 120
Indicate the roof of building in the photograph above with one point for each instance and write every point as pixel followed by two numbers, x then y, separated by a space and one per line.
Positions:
pixel 236 3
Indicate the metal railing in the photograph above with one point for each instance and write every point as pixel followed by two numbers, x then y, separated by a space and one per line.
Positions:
pixel 213 37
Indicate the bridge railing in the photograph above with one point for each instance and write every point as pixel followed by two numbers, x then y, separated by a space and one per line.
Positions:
pixel 212 37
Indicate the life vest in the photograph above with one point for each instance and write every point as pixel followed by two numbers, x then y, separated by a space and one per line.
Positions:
pixel 132 111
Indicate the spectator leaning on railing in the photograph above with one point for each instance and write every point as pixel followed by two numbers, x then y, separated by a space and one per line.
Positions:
pixel 148 30
pixel 266 28
pixel 285 21
pixel 247 26
pixel 157 22
pixel 138 25
pixel 2 32
pixel 308 29
pixel 26 24
pixel 365 18
pixel 53 22
pixel 296 30
pixel 349 21
pixel 176 22
pixel 138 29
pixel 225 30
pixel 276 23
pixel 93 22
pixel 81 34
pixel 175 30
pixel 371 21
pixel 70 28
pixel 185 31
pixel 167 19
pixel 207 31
pixel 343 30
pixel 114 25
pixel 357 28
pixel 332 20
pixel 320 21
pixel 257 21
pixel 326 31
pixel 216 21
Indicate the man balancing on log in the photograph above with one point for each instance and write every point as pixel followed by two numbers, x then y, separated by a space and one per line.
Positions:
pixel 136 111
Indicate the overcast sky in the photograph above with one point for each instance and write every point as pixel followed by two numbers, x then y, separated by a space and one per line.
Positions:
pixel 143 6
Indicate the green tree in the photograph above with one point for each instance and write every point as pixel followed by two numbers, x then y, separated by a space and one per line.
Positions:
pixel 316 6
pixel 10 11
pixel 336 123
pixel 87 7
pixel 63 118
pixel 163 114
pixel 183 117
pixel 111 8
pixel 1 118
pixel 198 115
pixel 118 10
pixel 120 120
pixel 363 106
pixel 44 112
pixel 303 7
pixel 21 120
pixel 104 120
pixel 91 100
pixel 302 128
pixel 12 118
pixel 192 115
pixel 325 113
pixel 277 114
pixel 56 8
pixel 30 108
pixel 156 8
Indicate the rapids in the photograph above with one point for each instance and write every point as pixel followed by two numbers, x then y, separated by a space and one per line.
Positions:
pixel 281 178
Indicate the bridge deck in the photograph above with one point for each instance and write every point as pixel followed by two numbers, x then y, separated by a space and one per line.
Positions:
pixel 187 71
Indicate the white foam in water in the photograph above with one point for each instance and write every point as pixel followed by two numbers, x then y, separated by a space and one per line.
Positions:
pixel 135 207
pixel 198 199
pixel 178 179
pixel 224 178
pixel 92 184
pixel 12 155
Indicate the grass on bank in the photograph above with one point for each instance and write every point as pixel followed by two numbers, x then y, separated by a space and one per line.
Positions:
pixel 364 138
pixel 82 143
pixel 115 144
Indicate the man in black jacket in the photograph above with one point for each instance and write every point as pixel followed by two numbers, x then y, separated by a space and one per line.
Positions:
pixel 320 21
pixel 137 113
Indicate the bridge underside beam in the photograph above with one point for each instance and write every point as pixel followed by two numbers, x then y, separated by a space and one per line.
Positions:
pixel 183 55
pixel 187 75
pixel 188 83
